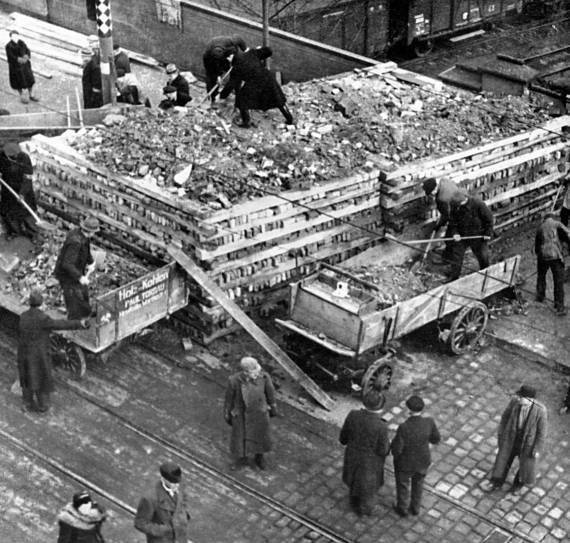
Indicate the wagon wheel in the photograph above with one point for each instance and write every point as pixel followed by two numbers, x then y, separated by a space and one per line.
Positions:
pixel 68 355
pixel 423 48
pixel 467 327
pixel 378 376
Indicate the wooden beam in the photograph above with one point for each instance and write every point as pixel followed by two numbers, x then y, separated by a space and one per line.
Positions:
pixel 250 327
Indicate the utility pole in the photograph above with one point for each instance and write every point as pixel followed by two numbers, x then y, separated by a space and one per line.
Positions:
pixel 265 11
pixel 105 33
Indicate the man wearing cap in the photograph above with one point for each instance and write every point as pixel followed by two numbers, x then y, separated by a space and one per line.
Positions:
pixel 73 267
pixel 411 450
pixel 549 256
pixel 521 433
pixel 163 514
pixel 121 59
pixel 216 61
pixel 16 171
pixel 178 81
pixel 249 402
pixel 91 80
pixel 34 352
pixel 80 520
pixel 365 435
pixel 469 217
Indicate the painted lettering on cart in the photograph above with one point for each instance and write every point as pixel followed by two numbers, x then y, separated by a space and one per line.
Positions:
pixel 143 292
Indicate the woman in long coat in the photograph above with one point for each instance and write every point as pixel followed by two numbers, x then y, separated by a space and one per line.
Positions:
pixel 249 402
pixel 34 353
pixel 365 435
pixel 20 67
pixel 255 86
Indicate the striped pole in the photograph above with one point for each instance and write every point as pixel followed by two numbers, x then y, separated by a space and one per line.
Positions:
pixel 105 33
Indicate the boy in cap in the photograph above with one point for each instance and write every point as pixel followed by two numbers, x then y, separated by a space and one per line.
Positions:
pixel 178 81
pixel 81 520
pixel 411 450
pixel 73 267
pixel 163 514
pixel 34 352
pixel 365 435
pixel 522 432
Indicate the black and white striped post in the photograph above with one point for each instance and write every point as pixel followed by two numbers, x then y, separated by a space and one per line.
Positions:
pixel 105 33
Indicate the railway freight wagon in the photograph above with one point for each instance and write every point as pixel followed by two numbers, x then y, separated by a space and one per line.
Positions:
pixel 374 27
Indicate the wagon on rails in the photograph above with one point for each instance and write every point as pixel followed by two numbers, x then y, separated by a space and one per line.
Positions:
pixel 342 314
pixel 119 313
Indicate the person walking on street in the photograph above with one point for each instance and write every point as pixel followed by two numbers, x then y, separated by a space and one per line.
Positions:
pixel 522 432
pixel 443 191
pixel 163 513
pixel 365 435
pixel 216 61
pixel 91 79
pixel 16 171
pixel 73 267
pixel 411 450
pixel 80 520
pixel 34 352
pixel 249 402
pixel 549 256
pixel 255 86
pixel 20 68
pixel 178 81
pixel 469 216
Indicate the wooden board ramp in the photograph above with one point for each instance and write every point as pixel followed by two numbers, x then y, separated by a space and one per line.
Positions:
pixel 250 327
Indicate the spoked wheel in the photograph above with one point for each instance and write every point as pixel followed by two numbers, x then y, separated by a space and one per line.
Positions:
pixel 69 356
pixel 423 48
pixel 467 327
pixel 378 376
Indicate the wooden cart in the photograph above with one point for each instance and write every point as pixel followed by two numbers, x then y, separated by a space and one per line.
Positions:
pixel 336 311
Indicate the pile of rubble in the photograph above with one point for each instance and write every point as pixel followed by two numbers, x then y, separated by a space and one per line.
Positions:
pixel 343 125
pixel 37 272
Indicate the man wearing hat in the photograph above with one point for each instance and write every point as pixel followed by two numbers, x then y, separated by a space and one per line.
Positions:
pixel 365 435
pixel 178 81
pixel 34 352
pixel 411 450
pixel 73 267
pixel 91 80
pixel 81 520
pixel 443 191
pixel 522 432
pixel 249 402
pixel 549 256
pixel 121 59
pixel 163 514
pixel 16 171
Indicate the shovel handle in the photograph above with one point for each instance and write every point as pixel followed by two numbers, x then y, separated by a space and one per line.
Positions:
pixel 21 200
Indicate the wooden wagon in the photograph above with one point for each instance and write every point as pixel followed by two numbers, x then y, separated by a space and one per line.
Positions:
pixel 334 310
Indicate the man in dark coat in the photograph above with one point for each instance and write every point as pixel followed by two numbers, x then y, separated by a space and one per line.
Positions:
pixel 20 67
pixel 16 170
pixel 249 402
pixel 91 81
pixel 121 59
pixel 216 61
pixel 80 520
pixel 255 86
pixel 522 432
pixel 73 267
pixel 469 216
pixel 549 256
pixel 411 450
pixel 178 81
pixel 365 435
pixel 163 513
pixel 34 353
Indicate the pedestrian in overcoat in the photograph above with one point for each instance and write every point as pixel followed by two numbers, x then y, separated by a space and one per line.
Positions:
pixel 216 61
pixel 34 352
pixel 255 86
pixel 249 402
pixel 549 256
pixel 412 457
pixel 20 67
pixel 522 432
pixel 469 216
pixel 80 520
pixel 91 82
pixel 72 266
pixel 163 513
pixel 365 435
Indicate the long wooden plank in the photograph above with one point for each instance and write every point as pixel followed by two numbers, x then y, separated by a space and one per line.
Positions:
pixel 251 328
